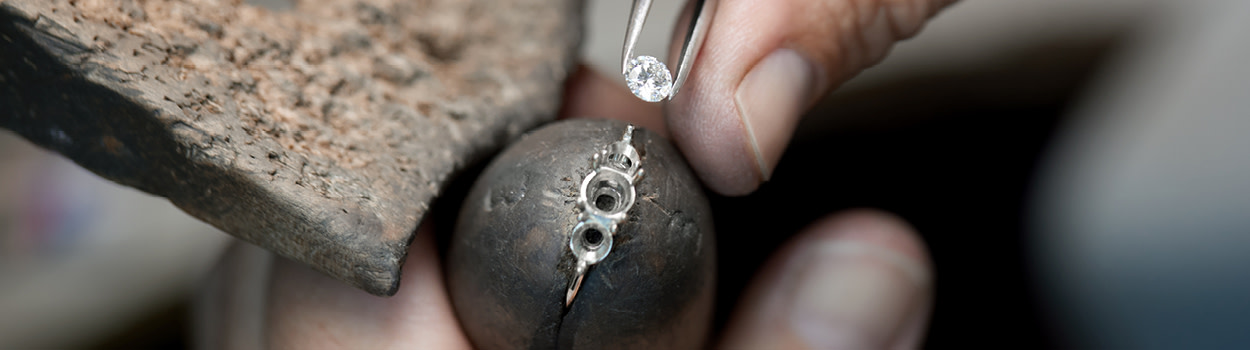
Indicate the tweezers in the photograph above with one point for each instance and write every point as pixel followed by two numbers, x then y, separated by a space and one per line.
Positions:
pixel 696 31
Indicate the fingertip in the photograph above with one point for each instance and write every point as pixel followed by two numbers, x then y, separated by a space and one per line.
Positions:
pixel 857 280
pixel 763 64
pixel 716 146
pixel 875 227
pixel 771 99
pixel 744 96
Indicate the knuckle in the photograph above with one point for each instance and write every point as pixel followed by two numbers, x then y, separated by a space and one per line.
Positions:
pixel 859 33
pixel 906 17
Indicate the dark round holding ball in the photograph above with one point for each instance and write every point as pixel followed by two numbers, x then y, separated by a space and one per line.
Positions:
pixel 509 264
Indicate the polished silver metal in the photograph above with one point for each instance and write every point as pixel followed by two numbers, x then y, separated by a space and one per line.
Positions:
pixel 604 199
pixel 692 41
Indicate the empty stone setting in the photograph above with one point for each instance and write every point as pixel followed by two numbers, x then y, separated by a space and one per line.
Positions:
pixel 649 79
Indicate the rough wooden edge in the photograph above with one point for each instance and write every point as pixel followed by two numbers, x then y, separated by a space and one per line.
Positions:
pixel 124 98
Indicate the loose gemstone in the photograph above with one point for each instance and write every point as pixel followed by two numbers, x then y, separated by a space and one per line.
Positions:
pixel 649 79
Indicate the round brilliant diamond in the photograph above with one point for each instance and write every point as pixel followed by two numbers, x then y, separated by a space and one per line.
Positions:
pixel 649 79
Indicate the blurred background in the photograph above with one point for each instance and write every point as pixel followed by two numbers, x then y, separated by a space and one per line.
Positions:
pixel 1079 169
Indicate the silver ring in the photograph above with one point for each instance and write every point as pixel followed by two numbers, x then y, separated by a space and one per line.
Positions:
pixel 605 197
pixel 646 76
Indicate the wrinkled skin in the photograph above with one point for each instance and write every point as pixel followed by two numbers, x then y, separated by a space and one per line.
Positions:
pixel 854 280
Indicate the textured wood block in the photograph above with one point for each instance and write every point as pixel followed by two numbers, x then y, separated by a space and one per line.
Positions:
pixel 321 133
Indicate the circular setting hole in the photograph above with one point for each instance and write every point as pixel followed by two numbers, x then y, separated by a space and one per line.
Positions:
pixel 593 237
pixel 590 242
pixel 621 161
pixel 605 202
pixel 607 193
pixel 607 196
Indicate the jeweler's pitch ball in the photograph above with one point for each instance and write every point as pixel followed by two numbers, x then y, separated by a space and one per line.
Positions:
pixel 509 264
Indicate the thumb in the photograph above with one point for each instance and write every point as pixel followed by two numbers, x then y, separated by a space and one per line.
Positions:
pixel 856 280
pixel 763 64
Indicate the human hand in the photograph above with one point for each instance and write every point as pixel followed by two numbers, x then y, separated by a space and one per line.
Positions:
pixel 857 280
pixel 763 64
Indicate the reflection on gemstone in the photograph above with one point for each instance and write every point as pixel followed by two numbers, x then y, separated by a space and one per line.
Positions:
pixel 649 79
